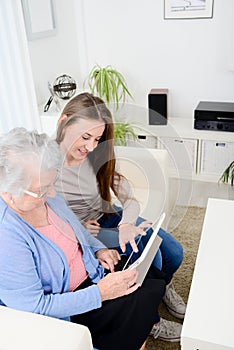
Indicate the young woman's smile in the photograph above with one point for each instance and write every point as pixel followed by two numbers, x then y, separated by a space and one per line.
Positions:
pixel 80 139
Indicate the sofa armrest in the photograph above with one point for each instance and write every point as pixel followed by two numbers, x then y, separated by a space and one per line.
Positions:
pixel 25 331
pixel 148 172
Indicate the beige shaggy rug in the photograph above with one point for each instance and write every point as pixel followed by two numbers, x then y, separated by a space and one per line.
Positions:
pixel 185 225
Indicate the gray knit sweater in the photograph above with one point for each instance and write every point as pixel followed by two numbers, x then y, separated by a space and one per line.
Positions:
pixel 78 185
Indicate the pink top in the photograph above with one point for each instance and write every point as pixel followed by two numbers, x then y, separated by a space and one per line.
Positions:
pixel 62 234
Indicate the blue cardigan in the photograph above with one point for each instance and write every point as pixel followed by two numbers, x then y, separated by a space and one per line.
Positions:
pixel 34 273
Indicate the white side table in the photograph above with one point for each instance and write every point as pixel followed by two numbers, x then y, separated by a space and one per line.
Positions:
pixel 209 319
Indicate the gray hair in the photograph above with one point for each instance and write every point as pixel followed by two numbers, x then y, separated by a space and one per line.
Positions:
pixel 20 148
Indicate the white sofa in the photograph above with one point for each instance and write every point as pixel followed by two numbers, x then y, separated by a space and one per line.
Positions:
pixel 147 169
pixel 26 331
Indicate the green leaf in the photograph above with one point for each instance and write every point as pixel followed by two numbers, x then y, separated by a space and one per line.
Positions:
pixel 109 84
pixel 121 131
pixel 228 174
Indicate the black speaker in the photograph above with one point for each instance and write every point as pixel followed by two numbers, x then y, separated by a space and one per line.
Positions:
pixel 157 104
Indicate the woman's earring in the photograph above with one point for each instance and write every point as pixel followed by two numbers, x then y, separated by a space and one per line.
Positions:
pixel 11 201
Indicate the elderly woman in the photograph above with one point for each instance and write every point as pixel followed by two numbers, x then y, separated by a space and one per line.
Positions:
pixel 51 265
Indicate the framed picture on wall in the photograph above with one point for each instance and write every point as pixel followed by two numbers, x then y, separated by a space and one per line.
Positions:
pixel 182 9
pixel 39 18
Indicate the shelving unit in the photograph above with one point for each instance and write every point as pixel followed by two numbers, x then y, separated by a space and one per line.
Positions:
pixel 200 154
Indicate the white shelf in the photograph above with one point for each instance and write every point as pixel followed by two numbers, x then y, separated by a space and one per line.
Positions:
pixel 194 142
pixel 183 127
pixel 49 119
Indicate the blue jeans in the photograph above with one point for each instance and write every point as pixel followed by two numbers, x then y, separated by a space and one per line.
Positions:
pixel 169 256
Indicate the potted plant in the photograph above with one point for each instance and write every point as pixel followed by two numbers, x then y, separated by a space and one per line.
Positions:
pixel 122 131
pixel 110 85
pixel 228 174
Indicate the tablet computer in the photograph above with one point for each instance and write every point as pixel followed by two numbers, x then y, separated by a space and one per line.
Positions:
pixel 142 264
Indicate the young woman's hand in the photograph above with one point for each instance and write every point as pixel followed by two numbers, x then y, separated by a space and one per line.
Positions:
pixel 117 284
pixel 108 258
pixel 93 227
pixel 128 233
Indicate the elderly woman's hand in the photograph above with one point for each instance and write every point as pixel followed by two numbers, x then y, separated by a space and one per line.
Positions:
pixel 128 232
pixel 118 284
pixel 108 258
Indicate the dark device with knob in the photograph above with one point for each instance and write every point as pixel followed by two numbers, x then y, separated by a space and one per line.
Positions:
pixel 215 116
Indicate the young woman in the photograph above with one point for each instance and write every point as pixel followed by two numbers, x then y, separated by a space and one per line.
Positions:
pixel 85 134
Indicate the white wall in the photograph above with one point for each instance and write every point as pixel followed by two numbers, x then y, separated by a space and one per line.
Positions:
pixel 194 58
pixel 56 55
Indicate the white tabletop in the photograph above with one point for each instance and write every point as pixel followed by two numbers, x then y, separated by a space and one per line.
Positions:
pixel 209 317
